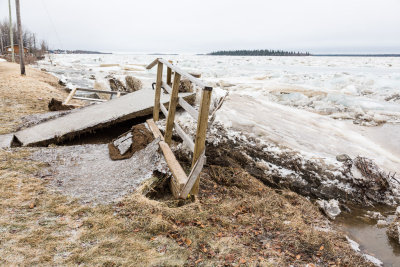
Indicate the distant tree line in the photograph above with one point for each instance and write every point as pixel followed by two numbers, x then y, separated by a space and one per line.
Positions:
pixel 60 51
pixel 30 41
pixel 262 52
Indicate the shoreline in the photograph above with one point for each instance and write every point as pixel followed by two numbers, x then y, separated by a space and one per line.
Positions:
pixel 230 203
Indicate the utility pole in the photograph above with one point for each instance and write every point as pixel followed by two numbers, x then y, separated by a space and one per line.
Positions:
pixel 11 32
pixel 21 41
pixel 1 41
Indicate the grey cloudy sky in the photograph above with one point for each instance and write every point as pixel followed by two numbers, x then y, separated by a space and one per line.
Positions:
pixel 317 26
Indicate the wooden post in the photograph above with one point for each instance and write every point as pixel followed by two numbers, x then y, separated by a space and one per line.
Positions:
pixel 169 74
pixel 156 110
pixel 200 140
pixel 172 108
pixel 2 46
pixel 69 97
pixel 21 41
pixel 11 32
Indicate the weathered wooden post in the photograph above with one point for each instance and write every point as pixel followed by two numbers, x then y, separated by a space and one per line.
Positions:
pixel 156 110
pixel 21 41
pixel 202 124
pixel 172 108
pixel 169 74
pixel 11 32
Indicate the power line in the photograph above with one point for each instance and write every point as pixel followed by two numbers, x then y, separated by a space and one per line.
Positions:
pixel 52 24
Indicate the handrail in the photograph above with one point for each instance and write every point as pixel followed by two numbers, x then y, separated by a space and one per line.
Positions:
pixel 185 105
pixel 180 184
pixel 181 72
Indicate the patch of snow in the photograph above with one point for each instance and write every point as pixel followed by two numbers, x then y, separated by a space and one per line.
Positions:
pixel 353 244
pixel 330 208
pixel 374 260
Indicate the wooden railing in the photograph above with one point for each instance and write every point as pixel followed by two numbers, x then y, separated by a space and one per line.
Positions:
pixel 181 185
pixel 73 91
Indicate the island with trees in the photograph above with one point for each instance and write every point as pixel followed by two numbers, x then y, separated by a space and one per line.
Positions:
pixel 260 52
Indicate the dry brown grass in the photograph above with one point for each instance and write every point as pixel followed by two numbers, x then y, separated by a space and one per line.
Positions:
pixel 236 221
pixel 25 95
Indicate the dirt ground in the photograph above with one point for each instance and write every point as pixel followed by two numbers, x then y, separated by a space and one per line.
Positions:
pixel 237 220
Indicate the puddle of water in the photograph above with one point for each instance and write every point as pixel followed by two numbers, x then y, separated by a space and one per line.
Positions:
pixel 372 240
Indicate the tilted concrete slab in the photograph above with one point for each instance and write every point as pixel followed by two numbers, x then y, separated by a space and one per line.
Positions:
pixel 136 104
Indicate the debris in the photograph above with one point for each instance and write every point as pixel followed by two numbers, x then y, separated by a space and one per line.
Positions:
pixel 343 158
pixel 393 231
pixel 381 223
pixel 116 85
pixel 129 143
pixel 185 86
pixel 91 118
pixel 133 84
pixel 330 208
pixel 375 215
pixel 56 105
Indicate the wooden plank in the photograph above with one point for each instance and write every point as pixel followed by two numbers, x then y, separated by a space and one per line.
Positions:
pixel 184 73
pixel 156 110
pixel 167 87
pixel 179 177
pixel 69 97
pixel 196 75
pixel 169 74
pixel 172 108
pixel 185 137
pixel 153 127
pixel 186 106
pixel 164 110
pixel 200 139
pixel 192 178
pixel 101 91
pixel 152 64
pixel 89 99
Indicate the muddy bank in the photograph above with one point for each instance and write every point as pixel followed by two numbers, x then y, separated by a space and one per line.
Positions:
pixel 281 167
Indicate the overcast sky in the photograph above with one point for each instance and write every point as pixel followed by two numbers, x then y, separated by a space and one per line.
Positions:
pixel 186 26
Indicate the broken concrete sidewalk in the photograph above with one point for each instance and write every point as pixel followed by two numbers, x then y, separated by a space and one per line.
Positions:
pixel 136 104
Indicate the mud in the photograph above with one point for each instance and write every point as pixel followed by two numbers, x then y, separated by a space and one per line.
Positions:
pixel 56 105
pixel 283 168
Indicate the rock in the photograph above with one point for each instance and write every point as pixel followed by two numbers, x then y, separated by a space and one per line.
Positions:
pixel 133 84
pixel 116 85
pixel 330 208
pixel 343 158
pixel 185 86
